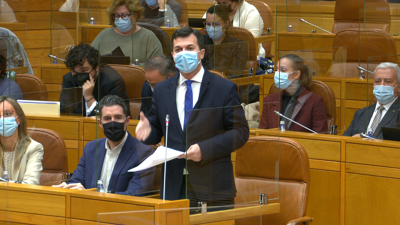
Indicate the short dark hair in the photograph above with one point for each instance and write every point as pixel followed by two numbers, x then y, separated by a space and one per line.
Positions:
pixel 81 53
pixel 187 31
pixel 3 65
pixel 220 11
pixel 111 100
pixel 162 63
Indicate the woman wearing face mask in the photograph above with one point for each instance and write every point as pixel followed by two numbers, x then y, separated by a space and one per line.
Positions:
pixel 159 12
pixel 224 52
pixel 293 77
pixel 244 15
pixel 135 41
pixel 20 155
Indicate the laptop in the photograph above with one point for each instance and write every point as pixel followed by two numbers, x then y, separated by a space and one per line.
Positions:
pixel 196 22
pixel 391 133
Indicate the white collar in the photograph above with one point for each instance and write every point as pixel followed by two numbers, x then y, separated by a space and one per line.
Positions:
pixel 197 78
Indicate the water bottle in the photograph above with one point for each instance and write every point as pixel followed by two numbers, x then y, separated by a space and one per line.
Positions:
pixel 100 187
pixel 55 61
pixel 282 126
pixel 5 175
pixel 168 24
pixel 136 62
pixel 290 28
pixel 362 75
pixel 91 21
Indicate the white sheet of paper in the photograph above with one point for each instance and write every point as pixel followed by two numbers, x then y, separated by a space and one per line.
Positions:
pixel 157 158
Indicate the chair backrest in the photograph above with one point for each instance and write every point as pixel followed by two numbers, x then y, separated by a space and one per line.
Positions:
pixel 244 35
pixel 268 19
pixel 348 14
pixel 32 87
pixel 361 45
pixel 55 160
pixel 256 173
pixel 326 92
pixel 218 73
pixel 161 35
pixel 184 18
pixel 134 77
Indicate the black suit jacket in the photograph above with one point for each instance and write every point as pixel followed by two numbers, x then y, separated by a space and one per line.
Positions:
pixel 108 82
pixel 363 117
pixel 217 124
pixel 147 95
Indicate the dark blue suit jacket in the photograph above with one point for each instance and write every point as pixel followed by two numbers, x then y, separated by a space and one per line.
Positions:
pixel 219 128
pixel 363 116
pixel 132 154
pixel 147 95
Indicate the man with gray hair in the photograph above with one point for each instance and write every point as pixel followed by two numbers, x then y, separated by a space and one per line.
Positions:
pixel 157 68
pixel 369 120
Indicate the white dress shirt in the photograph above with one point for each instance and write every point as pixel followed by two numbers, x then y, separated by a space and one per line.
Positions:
pixel 386 108
pixel 110 159
pixel 181 91
pixel 91 108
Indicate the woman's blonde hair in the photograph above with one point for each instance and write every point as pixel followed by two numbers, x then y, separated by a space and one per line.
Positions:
pixel 133 6
pixel 23 139
pixel 297 63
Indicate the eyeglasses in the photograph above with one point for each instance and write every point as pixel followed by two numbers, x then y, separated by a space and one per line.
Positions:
pixel 215 24
pixel 123 16
pixel 83 71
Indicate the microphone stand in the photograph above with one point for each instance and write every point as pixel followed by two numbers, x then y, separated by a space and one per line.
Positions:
pixel 294 122
pixel 304 21
pixel 166 146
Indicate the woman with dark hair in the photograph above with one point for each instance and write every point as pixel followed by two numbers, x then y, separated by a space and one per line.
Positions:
pixel 135 41
pixel 293 78
pixel 8 87
pixel 20 155
pixel 224 52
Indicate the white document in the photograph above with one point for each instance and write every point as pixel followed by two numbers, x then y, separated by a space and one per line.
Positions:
pixel 157 158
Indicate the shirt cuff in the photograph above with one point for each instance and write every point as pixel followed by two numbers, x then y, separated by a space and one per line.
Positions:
pixel 89 110
pixel 162 10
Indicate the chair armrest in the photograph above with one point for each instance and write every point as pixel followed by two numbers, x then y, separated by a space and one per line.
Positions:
pixel 301 220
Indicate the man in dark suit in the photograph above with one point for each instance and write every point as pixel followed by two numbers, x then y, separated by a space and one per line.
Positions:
pixel 157 68
pixel 88 83
pixel 206 122
pixel 109 159
pixel 370 119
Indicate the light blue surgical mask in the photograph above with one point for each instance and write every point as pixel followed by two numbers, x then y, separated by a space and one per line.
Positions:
pixel 151 2
pixel 215 32
pixel 186 61
pixel 282 80
pixel 8 126
pixel 384 94
pixel 123 25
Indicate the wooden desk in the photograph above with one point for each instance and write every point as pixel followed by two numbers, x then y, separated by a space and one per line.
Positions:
pixel 353 180
pixel 29 204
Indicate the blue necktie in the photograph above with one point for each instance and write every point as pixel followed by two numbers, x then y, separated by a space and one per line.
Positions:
pixel 188 101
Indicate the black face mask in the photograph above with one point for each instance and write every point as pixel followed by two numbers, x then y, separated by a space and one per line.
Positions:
pixel 114 131
pixel 80 78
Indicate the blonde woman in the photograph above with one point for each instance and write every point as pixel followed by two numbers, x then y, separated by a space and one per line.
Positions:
pixel 20 155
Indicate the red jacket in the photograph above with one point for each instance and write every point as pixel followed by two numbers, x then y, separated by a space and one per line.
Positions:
pixel 309 111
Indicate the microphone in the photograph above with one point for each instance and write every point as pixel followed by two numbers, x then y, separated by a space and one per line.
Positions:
pixel 55 57
pixel 361 68
pixel 294 121
pixel 166 146
pixel 304 21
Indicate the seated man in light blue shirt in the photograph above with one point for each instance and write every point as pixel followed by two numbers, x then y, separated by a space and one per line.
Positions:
pixel 109 159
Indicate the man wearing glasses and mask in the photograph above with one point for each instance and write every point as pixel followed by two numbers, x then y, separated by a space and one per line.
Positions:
pixel 88 83
pixel 158 68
